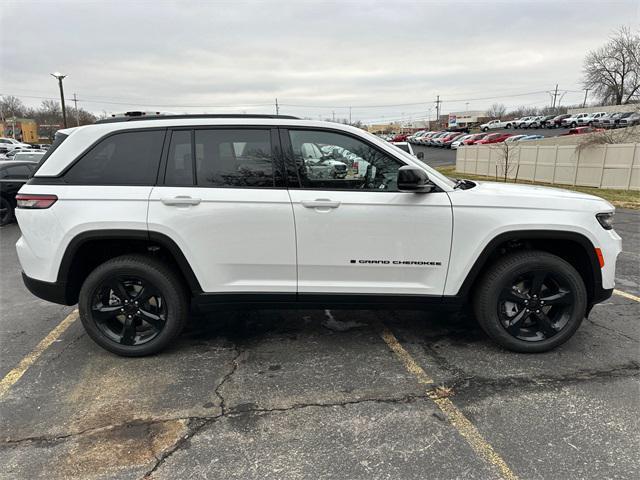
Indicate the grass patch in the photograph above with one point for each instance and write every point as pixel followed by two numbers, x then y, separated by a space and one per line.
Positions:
pixel 619 198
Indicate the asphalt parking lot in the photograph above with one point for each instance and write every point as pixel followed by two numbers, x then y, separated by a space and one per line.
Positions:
pixel 439 157
pixel 320 394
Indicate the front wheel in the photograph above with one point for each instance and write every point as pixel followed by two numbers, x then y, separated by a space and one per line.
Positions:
pixel 133 305
pixel 530 301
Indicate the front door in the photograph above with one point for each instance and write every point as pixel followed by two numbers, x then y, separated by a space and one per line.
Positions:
pixel 224 203
pixel 356 233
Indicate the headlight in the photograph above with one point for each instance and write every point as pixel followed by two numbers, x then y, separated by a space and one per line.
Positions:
pixel 606 220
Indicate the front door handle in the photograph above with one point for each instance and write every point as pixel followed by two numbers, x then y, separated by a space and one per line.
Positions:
pixel 321 203
pixel 180 200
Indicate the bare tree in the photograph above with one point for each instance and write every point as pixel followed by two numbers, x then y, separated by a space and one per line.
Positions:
pixel 11 106
pixel 508 163
pixel 497 110
pixel 612 72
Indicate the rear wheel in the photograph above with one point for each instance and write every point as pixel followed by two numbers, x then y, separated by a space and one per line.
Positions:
pixel 133 305
pixel 6 211
pixel 530 301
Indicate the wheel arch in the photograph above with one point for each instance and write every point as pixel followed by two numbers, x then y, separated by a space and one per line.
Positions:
pixel 89 249
pixel 573 247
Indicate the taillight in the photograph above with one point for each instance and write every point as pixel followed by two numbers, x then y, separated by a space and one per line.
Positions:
pixel 25 200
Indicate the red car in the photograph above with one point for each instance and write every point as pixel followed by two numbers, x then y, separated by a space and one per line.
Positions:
pixel 401 137
pixel 494 138
pixel 475 138
pixel 581 130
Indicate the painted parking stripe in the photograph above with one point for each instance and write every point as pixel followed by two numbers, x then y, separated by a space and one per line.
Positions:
pixel 461 423
pixel 14 375
pixel 627 295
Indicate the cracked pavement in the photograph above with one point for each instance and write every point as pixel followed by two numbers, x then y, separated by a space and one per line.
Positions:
pixel 318 394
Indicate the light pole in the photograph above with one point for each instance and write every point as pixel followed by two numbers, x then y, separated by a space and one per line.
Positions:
pixel 60 76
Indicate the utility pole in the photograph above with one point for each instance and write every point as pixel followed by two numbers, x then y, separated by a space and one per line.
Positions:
pixel 59 76
pixel 349 115
pixel 277 108
pixel 75 102
pixel 586 91
pixel 555 95
pixel 333 115
pixel 437 109
pixel 467 107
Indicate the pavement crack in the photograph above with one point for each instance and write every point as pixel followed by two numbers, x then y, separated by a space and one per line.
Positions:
pixel 609 329
pixel 228 375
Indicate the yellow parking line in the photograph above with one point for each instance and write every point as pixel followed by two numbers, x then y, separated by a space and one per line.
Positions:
pixel 627 295
pixel 461 423
pixel 14 375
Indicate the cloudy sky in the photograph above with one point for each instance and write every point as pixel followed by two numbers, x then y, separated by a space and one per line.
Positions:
pixel 385 60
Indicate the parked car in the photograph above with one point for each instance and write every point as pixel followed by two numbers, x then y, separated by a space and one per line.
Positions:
pixel 431 142
pixel 532 122
pixel 515 138
pixel 242 230
pixel 581 130
pixel 493 138
pixel 573 120
pixel 591 118
pixel 458 141
pixel 412 138
pixel 474 138
pixel 496 124
pixel 449 139
pixel 629 120
pixel 10 155
pixel 556 122
pixel 400 137
pixel 520 123
pixel 29 155
pixel 531 137
pixel 8 144
pixel 546 120
pixel 13 175
pixel 406 147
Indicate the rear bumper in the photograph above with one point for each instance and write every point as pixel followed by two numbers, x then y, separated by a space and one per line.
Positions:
pixel 55 292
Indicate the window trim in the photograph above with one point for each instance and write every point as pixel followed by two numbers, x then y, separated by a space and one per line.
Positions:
pixel 80 156
pixel 289 160
pixel 276 154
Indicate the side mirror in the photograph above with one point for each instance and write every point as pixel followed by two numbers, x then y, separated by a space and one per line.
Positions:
pixel 420 155
pixel 413 179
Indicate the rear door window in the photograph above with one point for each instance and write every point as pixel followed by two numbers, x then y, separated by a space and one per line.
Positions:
pixel 127 158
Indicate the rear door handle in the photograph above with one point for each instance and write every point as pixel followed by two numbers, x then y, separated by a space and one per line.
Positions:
pixel 180 200
pixel 321 203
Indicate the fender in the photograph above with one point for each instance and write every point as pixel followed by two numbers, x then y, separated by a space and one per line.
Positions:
pixel 153 238
pixel 478 266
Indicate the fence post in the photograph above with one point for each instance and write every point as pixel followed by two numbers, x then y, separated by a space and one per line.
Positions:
pixel 604 160
pixel 555 165
pixel 633 161
pixel 575 175
pixel 535 164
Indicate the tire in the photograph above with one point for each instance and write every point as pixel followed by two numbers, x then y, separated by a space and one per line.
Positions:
pixel 531 332
pixel 574 124
pixel 6 211
pixel 485 129
pixel 163 316
pixel 508 126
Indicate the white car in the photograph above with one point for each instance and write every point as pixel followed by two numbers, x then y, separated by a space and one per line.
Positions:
pixel 136 219
pixel 458 141
pixel 28 155
pixel 574 120
pixel 591 118
pixel 531 122
pixel 9 144
pixel 496 124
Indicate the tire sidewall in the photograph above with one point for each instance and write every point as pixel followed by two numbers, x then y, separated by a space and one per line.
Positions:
pixel 153 273
pixel 487 313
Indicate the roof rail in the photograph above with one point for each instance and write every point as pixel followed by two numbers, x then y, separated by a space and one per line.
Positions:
pixel 128 117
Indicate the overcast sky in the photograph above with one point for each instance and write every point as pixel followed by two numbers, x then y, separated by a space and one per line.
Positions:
pixel 315 57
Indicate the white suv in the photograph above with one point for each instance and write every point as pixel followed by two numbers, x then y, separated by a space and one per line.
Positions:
pixel 136 219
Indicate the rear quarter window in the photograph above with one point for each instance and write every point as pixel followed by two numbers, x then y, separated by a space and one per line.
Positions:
pixel 127 158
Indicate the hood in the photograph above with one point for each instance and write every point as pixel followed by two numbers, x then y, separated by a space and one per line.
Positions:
pixel 512 195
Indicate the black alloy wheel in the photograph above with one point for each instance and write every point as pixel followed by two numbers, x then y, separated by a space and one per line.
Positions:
pixel 530 301
pixel 536 306
pixel 129 310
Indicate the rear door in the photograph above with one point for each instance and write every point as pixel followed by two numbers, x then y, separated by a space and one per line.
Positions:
pixel 222 199
pixel 356 233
